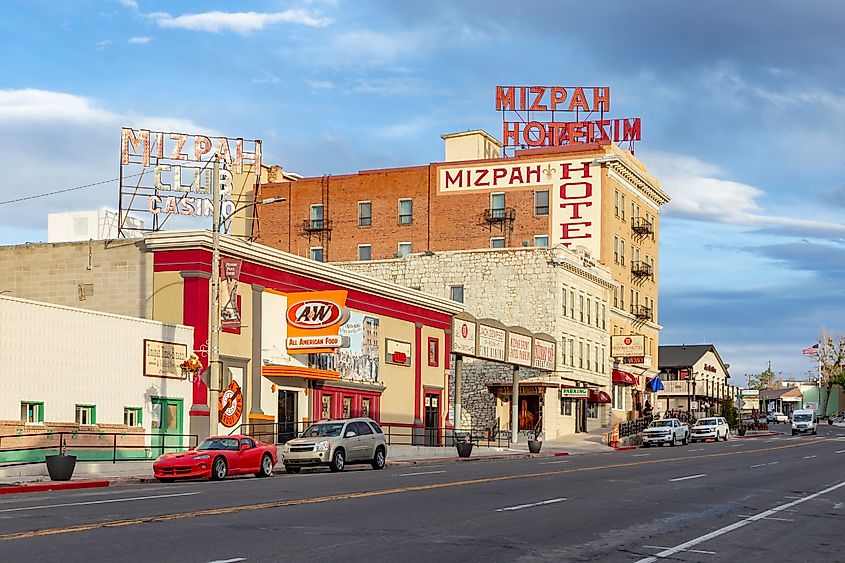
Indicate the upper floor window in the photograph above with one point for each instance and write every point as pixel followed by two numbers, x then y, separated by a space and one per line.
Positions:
pixel 497 206
pixel 317 216
pixel 541 240
pixel 365 252
pixel 622 207
pixel 497 242
pixel 456 293
pixel 541 202
pixel 405 248
pixel 406 211
pixel 616 203
pixel 317 253
pixel 365 213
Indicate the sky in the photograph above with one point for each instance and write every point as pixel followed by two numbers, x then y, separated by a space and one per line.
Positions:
pixel 741 109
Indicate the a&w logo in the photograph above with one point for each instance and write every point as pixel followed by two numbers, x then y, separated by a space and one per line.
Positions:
pixel 317 313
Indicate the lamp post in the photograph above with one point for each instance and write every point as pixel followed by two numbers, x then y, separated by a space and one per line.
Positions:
pixel 214 297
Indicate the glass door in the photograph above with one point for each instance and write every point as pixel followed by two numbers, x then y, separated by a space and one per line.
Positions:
pixel 286 416
pixel 432 419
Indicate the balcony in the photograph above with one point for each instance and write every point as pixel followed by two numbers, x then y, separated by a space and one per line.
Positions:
pixel 499 214
pixel 641 312
pixel 641 226
pixel 316 225
pixel 641 269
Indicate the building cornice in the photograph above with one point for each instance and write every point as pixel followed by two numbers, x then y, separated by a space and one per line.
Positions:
pixel 274 258
pixel 640 181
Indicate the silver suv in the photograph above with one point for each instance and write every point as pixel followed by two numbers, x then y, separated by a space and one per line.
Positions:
pixel 337 443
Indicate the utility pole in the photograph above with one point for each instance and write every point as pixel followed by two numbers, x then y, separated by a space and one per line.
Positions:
pixel 214 303
pixel 515 405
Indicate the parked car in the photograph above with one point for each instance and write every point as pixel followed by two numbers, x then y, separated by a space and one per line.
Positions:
pixel 804 421
pixel 777 416
pixel 714 428
pixel 666 431
pixel 336 443
pixel 216 457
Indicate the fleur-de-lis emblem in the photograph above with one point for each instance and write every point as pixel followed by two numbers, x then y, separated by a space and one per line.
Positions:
pixel 549 171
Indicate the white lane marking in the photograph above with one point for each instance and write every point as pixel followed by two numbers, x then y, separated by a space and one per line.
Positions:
pixel 420 473
pixel 235 560
pixel 773 463
pixel 521 506
pixel 687 550
pixel 696 450
pixel 688 477
pixel 107 501
pixel 758 465
pixel 736 525
pixel 561 461
pixel 840 452
pixel 640 455
pixel 837 505
pixel 735 445
pixel 767 518
pixel 809 456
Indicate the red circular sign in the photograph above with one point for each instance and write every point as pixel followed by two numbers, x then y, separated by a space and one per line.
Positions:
pixel 464 330
pixel 627 341
pixel 316 313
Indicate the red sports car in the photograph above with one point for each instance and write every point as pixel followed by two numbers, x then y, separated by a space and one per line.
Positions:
pixel 217 457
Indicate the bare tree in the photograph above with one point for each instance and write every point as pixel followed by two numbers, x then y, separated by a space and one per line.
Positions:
pixel 831 361
pixel 765 380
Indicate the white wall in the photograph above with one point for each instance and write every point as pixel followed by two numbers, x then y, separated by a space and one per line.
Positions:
pixel 63 356
pixel 99 224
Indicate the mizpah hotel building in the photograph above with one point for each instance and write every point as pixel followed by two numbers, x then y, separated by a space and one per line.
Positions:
pixel 489 231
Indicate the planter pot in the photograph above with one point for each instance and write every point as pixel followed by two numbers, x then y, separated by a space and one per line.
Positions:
pixel 464 449
pixel 534 446
pixel 741 431
pixel 60 467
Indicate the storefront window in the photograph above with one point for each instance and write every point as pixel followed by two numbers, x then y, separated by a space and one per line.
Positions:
pixel 566 407
pixel 326 410
pixel 619 396
pixel 592 410
pixel 365 407
pixel 347 407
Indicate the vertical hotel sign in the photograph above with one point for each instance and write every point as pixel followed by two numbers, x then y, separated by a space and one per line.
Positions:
pixel 574 186
pixel 313 321
pixel 230 313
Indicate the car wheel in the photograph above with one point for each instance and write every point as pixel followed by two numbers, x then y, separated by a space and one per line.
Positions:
pixel 219 470
pixel 685 440
pixel 292 469
pixel 815 432
pixel 378 460
pixel 266 466
pixel 672 441
pixel 338 461
pixel 794 432
pixel 646 445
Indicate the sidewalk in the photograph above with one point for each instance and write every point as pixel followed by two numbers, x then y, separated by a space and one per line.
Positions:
pixel 141 471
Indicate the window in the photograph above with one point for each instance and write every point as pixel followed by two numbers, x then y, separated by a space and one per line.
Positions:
pixel 621 296
pixel 497 206
pixel 326 406
pixel 616 297
pixel 598 323
pixel 541 202
pixel 622 208
pixel 572 352
pixel 564 304
pixel 589 311
pixel 365 252
pixel 602 359
pixel 587 362
pixel 405 248
pixel 604 317
pixel 433 352
pixel 132 416
pixel 572 303
pixel 406 211
pixel 616 250
pixel 592 410
pixel 566 407
pixel 365 213
pixel 581 307
pixel 618 397
pixel 622 251
pixel 616 203
pixel 580 354
pixel 497 242
pixel 32 412
pixel 346 410
pixel 86 415
pixel 596 358
pixel 317 216
pixel 541 240
pixel 363 428
pixel 317 253
pixel 633 208
pixel 456 293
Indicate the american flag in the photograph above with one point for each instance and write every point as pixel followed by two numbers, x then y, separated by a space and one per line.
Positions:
pixel 811 351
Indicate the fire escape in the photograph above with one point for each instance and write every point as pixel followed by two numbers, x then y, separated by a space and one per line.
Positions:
pixel 503 218
pixel 320 229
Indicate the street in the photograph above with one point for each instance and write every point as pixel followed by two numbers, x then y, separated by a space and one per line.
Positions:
pixel 753 499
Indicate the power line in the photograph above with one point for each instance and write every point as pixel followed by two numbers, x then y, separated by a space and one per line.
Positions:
pixel 65 190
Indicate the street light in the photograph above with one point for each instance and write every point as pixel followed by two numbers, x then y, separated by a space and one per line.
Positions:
pixel 214 298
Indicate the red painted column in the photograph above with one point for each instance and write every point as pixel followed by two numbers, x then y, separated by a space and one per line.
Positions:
pixel 418 374
pixel 195 314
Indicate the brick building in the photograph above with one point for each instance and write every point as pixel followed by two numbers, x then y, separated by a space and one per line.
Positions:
pixel 595 196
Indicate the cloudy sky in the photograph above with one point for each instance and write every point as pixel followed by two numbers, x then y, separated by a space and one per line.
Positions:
pixel 741 107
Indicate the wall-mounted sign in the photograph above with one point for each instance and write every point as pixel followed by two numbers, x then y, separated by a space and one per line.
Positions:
pixel 708 367
pixel 313 320
pixel 463 336
pixel 574 392
pixel 397 352
pixel 545 354
pixel 230 405
pixel 163 359
pixel 230 312
pixel 491 343
pixel 625 345
pixel 519 349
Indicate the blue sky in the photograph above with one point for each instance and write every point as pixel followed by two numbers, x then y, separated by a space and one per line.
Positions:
pixel 743 110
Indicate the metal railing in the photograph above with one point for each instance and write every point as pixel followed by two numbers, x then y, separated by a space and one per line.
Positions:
pixel 91 446
pixel 498 214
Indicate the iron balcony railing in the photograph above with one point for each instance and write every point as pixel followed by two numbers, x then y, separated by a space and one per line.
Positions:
pixel 641 312
pixel 499 214
pixel 640 269
pixel 641 226
pixel 313 225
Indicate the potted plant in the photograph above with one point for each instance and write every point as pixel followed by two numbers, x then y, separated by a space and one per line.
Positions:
pixel 61 466
pixel 535 441
pixel 464 446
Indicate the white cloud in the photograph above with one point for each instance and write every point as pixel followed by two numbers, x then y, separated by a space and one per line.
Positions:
pixel 129 4
pixel 103 44
pixel 238 22
pixel 266 79
pixel 140 40
pixel 697 193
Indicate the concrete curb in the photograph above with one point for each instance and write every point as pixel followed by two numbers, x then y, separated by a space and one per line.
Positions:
pixel 767 434
pixel 42 486
pixel 624 448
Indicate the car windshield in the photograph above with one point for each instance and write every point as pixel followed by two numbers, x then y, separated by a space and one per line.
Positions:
pixel 802 418
pixel 323 430
pixel 219 444
pixel 661 423
pixel 706 422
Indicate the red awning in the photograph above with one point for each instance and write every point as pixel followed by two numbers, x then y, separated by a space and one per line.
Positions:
pixel 597 396
pixel 620 376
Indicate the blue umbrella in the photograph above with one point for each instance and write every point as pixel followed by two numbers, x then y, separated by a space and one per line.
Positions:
pixel 655 384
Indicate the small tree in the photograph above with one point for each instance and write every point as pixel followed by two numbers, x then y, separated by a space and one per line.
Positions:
pixel 765 380
pixel 730 412
pixel 831 361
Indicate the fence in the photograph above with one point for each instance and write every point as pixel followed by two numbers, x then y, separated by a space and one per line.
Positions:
pixel 16 449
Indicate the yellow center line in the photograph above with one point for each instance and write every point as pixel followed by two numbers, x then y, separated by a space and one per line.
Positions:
pixel 365 494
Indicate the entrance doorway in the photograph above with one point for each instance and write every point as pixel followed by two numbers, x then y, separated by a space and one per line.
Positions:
pixel 529 412
pixel 580 416
pixel 432 419
pixel 166 423
pixel 286 427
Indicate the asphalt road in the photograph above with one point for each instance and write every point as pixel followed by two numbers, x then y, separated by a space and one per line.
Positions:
pixel 761 499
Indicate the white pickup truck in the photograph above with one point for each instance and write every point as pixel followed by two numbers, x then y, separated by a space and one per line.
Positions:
pixel 666 431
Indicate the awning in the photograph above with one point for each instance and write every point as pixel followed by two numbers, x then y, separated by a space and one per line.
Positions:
pixel 299 371
pixel 597 396
pixel 620 376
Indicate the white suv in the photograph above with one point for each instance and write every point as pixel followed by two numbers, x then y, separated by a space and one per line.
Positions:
pixel 714 427
pixel 666 431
